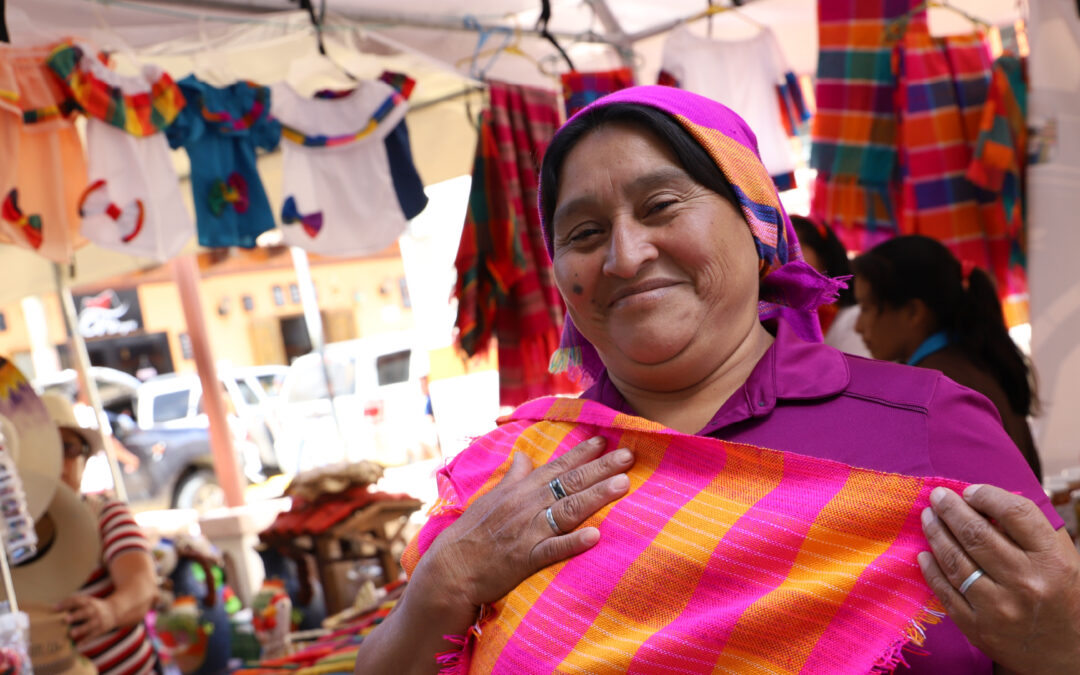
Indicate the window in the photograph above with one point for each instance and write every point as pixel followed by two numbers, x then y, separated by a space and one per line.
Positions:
pixel 271 383
pixel 406 301
pixel 247 393
pixel 294 292
pixel 3 322
pixel 248 302
pixel 393 368
pixel 279 296
pixel 172 405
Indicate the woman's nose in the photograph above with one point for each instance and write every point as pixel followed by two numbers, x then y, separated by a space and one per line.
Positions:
pixel 629 247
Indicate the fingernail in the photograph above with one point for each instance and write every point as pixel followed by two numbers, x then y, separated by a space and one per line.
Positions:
pixel 936 495
pixel 620 482
pixel 624 456
pixel 596 440
pixel 924 559
pixel 590 535
pixel 970 490
pixel 928 517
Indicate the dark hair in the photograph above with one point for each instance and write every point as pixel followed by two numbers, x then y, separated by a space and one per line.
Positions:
pixel 916 267
pixel 823 241
pixel 689 153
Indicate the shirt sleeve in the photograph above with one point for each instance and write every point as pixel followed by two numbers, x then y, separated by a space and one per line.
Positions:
pixel 266 131
pixel 446 510
pixel 966 441
pixel 119 532
pixel 189 124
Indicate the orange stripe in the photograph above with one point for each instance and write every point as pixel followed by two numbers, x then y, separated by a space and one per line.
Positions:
pixel 778 632
pixel 639 606
pixel 538 441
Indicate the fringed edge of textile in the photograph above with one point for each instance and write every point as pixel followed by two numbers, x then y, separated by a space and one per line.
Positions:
pixel 914 636
pixel 456 661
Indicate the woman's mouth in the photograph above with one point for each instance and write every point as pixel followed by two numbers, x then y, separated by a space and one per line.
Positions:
pixel 640 290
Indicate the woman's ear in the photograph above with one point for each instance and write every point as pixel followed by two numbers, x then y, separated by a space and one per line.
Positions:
pixel 920 317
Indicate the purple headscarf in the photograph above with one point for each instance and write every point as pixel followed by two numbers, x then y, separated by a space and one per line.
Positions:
pixel 789 287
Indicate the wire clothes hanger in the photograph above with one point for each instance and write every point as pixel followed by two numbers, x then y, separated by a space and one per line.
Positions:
pixel 542 26
pixel 898 26
pixel 318 22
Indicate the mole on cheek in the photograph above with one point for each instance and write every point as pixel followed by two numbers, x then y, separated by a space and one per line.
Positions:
pixel 577 289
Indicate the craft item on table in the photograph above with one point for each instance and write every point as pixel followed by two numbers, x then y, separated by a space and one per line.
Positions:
pixel 17 529
pixel 186 634
pixel 751 77
pixel 333 478
pixel 221 128
pixel 133 202
pixel 30 438
pixel 505 287
pixel 580 89
pixel 773 539
pixel 334 653
pixel 272 618
pixel 340 197
pixel 43 172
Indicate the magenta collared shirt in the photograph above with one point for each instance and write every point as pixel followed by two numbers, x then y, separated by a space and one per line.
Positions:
pixel 811 399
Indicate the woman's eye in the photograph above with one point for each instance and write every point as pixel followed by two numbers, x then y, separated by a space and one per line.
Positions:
pixel 660 206
pixel 583 233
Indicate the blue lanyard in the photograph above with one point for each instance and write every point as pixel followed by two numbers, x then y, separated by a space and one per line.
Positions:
pixel 936 342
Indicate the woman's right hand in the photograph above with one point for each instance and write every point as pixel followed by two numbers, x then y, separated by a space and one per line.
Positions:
pixel 504 537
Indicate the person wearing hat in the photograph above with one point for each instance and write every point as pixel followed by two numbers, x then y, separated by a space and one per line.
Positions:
pixel 105 616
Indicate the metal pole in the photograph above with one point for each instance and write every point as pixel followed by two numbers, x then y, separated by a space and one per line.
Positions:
pixel 186 275
pixel 82 367
pixel 313 321
pixel 618 37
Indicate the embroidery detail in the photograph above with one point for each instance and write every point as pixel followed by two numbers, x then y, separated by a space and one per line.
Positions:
pixel 95 201
pixel 233 191
pixel 29 225
pixel 378 116
pixel 232 124
pixel 311 222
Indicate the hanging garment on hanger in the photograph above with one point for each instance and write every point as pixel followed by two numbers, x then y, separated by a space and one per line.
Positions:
pixel 337 183
pixel 43 170
pixel 943 84
pixel 220 128
pixel 407 183
pixel 505 286
pixel 854 129
pixel 581 89
pixel 132 202
pixel 746 75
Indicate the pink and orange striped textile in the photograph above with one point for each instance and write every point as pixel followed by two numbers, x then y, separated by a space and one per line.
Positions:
pixel 721 558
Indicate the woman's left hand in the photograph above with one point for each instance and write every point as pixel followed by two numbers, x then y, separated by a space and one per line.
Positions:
pixel 87 617
pixel 1023 611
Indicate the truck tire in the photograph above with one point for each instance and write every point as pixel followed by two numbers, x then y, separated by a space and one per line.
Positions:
pixel 198 489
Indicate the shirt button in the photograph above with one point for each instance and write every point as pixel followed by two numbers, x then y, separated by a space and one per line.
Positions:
pixel 761 404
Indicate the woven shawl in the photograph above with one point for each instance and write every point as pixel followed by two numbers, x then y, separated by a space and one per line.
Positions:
pixel 721 558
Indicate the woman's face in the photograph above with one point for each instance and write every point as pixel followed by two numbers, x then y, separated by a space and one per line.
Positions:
pixel 658 272
pixel 886 331
pixel 74 458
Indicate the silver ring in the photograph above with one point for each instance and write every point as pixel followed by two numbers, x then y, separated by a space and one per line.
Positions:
pixel 557 489
pixel 972 578
pixel 551 521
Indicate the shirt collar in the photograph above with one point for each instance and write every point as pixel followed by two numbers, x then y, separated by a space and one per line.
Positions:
pixel 791 369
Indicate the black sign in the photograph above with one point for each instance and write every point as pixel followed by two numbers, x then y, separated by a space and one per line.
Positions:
pixel 109 313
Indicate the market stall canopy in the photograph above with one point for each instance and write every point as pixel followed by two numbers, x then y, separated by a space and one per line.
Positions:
pixel 432 42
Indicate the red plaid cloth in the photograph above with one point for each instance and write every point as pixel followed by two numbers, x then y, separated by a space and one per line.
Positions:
pixel 505 284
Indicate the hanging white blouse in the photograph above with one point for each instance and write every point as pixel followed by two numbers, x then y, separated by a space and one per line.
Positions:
pixel 742 74
pixel 339 196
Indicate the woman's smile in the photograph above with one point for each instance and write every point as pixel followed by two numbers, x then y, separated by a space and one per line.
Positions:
pixel 643 292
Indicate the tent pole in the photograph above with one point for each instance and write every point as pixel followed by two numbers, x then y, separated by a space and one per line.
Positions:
pixel 618 37
pixel 313 321
pixel 226 465
pixel 82 366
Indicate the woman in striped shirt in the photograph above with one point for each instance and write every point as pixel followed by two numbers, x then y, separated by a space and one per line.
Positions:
pixel 106 615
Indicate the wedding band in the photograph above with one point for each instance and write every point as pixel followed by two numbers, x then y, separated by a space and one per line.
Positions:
pixel 551 521
pixel 557 489
pixel 972 578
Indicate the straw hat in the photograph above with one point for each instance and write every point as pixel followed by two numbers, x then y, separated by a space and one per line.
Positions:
pixel 30 438
pixel 69 550
pixel 51 650
pixel 62 412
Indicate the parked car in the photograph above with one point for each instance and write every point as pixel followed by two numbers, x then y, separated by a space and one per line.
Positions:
pixel 378 409
pixel 175 402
